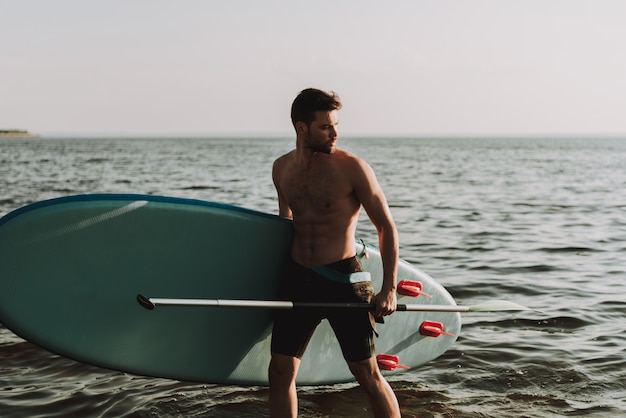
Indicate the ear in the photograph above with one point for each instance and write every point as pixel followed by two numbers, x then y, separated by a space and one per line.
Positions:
pixel 301 128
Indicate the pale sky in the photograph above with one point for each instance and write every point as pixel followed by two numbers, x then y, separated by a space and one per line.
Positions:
pixel 414 67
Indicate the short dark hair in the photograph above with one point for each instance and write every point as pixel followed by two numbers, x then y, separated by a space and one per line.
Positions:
pixel 310 101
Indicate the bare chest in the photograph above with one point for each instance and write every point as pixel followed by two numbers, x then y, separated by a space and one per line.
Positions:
pixel 315 189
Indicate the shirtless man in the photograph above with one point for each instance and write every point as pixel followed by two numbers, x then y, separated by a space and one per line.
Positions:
pixel 322 188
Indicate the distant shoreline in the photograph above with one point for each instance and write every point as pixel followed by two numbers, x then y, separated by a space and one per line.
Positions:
pixel 16 133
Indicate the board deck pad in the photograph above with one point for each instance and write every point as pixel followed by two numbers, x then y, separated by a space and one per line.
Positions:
pixel 71 268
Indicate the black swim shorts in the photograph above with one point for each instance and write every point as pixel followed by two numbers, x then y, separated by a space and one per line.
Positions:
pixel 294 328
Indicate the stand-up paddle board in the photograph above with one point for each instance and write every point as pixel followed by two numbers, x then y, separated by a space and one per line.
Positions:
pixel 71 269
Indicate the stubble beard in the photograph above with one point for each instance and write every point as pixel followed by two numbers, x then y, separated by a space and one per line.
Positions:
pixel 325 148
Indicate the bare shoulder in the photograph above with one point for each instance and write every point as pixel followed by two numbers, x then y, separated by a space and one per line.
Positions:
pixel 282 161
pixel 348 159
pixel 356 166
pixel 285 157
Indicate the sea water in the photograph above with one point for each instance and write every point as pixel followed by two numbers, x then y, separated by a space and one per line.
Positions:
pixel 537 221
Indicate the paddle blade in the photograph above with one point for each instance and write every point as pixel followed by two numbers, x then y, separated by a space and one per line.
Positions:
pixel 498 305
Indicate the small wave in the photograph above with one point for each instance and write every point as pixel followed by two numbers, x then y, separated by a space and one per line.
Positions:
pixel 552 207
pixel 556 324
pixel 614 306
pixel 200 187
pixel 568 250
pixel 7 201
pixel 536 268
pixel 63 190
pixel 483 234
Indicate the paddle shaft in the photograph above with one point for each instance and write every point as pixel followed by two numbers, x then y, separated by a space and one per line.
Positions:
pixel 151 303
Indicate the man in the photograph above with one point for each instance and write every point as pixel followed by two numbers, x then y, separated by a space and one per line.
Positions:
pixel 322 188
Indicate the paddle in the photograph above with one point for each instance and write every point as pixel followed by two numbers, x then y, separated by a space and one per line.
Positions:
pixel 491 306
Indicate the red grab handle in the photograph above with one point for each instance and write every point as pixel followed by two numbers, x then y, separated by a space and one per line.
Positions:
pixel 389 362
pixel 433 329
pixel 411 288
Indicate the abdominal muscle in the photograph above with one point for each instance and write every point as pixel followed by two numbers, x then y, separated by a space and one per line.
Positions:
pixel 323 241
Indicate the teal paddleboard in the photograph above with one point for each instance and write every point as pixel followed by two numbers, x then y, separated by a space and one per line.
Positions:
pixel 71 269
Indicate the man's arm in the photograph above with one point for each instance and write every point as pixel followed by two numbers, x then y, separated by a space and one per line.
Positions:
pixel 371 196
pixel 283 206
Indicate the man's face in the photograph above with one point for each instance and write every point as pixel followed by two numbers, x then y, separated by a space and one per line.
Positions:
pixel 321 134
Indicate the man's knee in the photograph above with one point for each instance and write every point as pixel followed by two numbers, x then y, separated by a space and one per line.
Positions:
pixel 365 371
pixel 283 369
